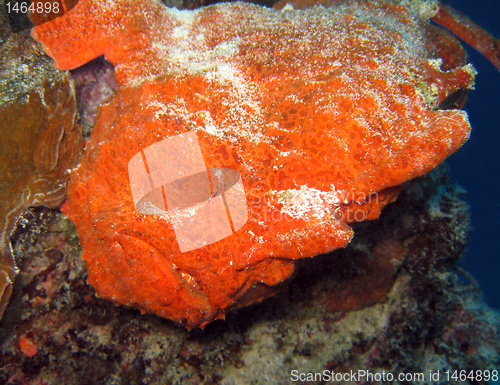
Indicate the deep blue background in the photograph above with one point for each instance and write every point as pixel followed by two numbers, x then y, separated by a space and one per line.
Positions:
pixel 476 166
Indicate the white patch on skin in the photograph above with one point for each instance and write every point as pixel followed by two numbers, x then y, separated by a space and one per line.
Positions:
pixel 306 202
pixel 212 130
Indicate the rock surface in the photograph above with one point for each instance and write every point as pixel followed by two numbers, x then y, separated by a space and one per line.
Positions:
pixel 432 319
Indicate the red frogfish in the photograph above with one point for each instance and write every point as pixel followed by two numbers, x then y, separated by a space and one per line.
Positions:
pixel 243 138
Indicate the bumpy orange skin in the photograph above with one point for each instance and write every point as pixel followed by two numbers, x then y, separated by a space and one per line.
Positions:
pixel 323 111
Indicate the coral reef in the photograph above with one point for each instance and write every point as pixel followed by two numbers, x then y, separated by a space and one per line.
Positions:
pixel 393 301
pixel 322 111
pixel 40 140
pixel 432 319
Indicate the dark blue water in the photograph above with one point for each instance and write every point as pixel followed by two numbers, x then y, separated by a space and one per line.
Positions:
pixel 476 166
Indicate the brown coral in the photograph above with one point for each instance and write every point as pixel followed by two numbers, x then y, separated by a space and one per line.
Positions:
pixel 40 141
